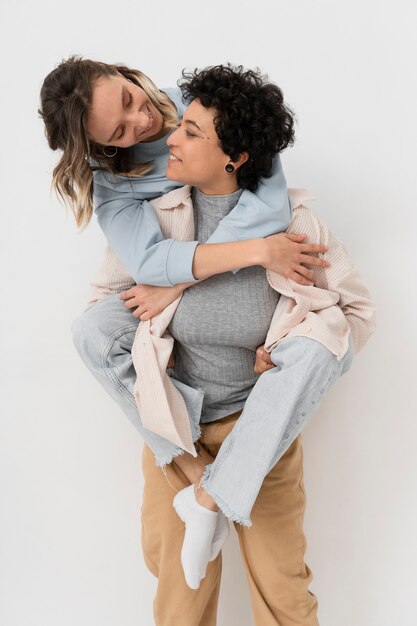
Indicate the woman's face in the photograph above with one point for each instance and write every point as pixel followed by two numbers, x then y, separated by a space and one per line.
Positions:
pixel 121 114
pixel 195 155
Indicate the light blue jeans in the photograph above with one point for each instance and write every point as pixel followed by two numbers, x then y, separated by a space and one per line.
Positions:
pixel 280 405
pixel 103 336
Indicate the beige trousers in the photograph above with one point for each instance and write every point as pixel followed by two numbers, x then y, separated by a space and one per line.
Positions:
pixel 272 548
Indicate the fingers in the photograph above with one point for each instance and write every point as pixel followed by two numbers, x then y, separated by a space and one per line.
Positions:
pixel 145 314
pixel 308 249
pixel 264 355
pixel 299 278
pixel 261 367
pixel 131 303
pixel 263 361
pixel 297 237
pixel 312 260
pixel 313 247
pixel 140 310
pixel 305 273
pixel 126 295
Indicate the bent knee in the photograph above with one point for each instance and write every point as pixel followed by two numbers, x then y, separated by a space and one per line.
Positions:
pixel 89 333
pixel 103 327
pixel 79 330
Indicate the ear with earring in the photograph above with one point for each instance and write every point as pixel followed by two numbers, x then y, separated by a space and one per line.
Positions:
pixel 229 168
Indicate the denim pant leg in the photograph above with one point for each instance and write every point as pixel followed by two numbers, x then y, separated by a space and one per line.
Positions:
pixel 278 408
pixel 103 336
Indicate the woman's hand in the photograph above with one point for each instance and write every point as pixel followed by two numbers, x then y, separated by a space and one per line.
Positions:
pixel 286 255
pixel 263 361
pixel 149 300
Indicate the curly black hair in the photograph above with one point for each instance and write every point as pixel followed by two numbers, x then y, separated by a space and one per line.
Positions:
pixel 251 116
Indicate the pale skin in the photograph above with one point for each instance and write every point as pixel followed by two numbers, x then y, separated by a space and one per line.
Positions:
pixel 121 115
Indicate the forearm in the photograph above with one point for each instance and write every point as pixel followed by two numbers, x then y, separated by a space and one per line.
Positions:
pixel 210 259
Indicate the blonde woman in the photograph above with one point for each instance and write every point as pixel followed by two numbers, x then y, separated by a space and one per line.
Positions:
pixel 110 123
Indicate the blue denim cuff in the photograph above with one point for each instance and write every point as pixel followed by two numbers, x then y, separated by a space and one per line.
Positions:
pixel 179 262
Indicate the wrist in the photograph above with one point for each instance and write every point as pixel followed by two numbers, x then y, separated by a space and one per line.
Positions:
pixel 261 252
pixel 178 289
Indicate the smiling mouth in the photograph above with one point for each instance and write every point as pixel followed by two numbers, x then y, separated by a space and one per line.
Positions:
pixel 173 158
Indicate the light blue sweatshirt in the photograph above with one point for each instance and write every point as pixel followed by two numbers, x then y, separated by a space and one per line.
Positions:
pixel 131 227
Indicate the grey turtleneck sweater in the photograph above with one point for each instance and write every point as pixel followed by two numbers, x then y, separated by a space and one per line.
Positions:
pixel 220 322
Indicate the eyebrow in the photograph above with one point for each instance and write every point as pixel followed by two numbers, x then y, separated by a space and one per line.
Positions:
pixel 115 132
pixel 193 124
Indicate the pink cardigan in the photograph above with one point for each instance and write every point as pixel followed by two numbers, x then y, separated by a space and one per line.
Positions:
pixel 338 305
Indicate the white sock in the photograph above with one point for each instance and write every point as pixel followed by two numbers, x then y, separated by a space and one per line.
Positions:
pixel 222 528
pixel 204 536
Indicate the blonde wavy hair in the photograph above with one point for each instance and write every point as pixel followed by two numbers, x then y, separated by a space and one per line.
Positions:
pixel 66 96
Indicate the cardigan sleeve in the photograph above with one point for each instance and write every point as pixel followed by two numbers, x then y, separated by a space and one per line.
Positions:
pixel 110 278
pixel 344 278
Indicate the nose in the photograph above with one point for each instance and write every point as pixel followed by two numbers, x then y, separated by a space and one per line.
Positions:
pixel 173 138
pixel 140 119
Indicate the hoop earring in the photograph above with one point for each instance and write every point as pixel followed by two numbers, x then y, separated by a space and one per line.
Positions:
pixel 229 168
pixel 113 154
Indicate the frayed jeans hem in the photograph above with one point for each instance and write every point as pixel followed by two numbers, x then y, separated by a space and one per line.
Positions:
pixel 223 506
pixel 163 460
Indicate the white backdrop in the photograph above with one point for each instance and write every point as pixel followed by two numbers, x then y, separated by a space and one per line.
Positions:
pixel 70 478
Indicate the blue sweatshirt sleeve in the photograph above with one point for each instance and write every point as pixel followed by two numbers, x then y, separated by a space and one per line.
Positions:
pixel 131 227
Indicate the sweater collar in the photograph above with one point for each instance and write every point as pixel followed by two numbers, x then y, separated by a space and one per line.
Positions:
pixel 174 198
pixel 182 195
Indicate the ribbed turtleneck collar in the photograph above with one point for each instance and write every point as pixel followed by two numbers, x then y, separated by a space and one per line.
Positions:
pixel 216 206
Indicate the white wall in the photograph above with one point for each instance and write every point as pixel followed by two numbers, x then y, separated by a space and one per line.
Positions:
pixel 70 462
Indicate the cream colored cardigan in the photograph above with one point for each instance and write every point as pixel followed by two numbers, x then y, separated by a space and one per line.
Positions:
pixel 338 305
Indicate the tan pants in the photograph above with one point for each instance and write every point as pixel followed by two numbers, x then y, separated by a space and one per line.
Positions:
pixel 272 548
